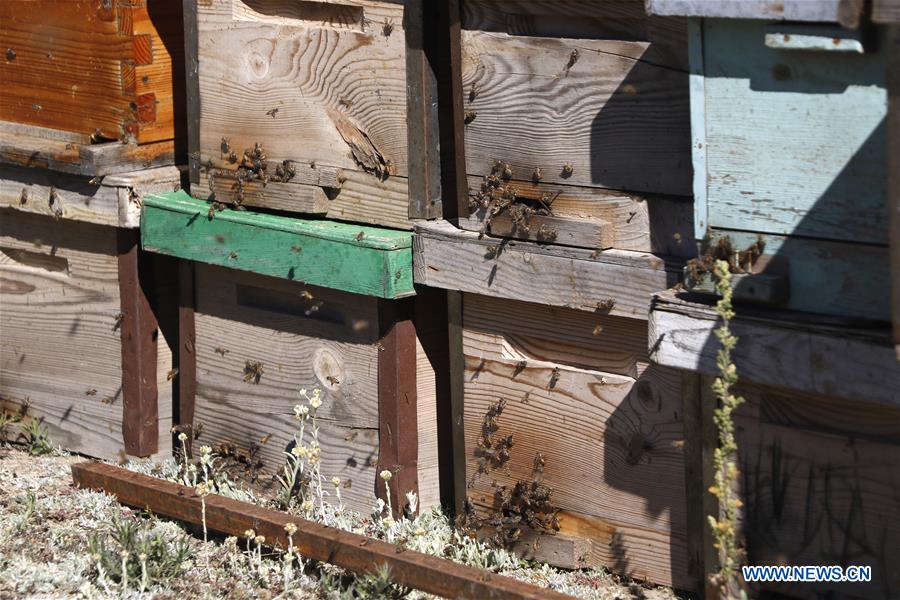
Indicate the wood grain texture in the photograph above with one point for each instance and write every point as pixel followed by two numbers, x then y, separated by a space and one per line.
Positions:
pixel 626 490
pixel 795 143
pixel 356 258
pixel 829 11
pixel 252 318
pixel 31 146
pixel 325 86
pixel 614 281
pixel 778 350
pixel 825 277
pixel 587 232
pixel 60 348
pixel 111 70
pixel 620 121
pixel 886 11
pixel 818 481
pixel 112 201
pixel 640 222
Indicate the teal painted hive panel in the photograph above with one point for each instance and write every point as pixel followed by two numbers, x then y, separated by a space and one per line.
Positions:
pixel 354 258
pixel 790 146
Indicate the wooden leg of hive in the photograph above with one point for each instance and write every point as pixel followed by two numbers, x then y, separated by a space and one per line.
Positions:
pixel 397 411
pixel 187 357
pixel 139 331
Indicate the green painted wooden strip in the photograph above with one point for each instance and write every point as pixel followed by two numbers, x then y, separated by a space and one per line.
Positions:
pixel 353 258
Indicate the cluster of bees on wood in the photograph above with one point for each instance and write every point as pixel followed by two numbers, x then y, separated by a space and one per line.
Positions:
pixel 498 195
pixel 527 504
pixel 253 165
pixel 739 261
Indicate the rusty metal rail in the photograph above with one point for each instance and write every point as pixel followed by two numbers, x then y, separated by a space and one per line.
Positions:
pixel 326 544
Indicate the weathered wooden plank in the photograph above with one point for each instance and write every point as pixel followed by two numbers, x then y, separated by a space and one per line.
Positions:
pixel 845 12
pixel 113 201
pixel 818 477
pixel 60 351
pixel 561 402
pixel 294 197
pixel 617 121
pixel 335 74
pixel 326 342
pixel 789 153
pixel 613 281
pixel 824 276
pixel 640 222
pixel 350 551
pixel 192 89
pixel 586 232
pixel 355 258
pixel 778 350
pixel 398 442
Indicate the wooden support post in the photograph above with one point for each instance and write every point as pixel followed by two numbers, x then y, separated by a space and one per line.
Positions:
pixel 187 357
pixel 139 332
pixel 452 420
pixel 398 441
pixel 423 133
pixel 894 172
pixel 192 89
pixel 700 442
pixel 445 34
pixel 347 550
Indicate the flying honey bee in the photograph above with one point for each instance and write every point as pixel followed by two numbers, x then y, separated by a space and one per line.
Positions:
pixel 220 350
pixel 91 392
pixel 296 248
pixel 306 295
pixel 119 317
pixel 265 439
pixel 332 380
pixel 171 374
pixel 359 236
pixel 387 28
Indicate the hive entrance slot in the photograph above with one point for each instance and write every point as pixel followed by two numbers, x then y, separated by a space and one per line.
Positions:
pixel 311 13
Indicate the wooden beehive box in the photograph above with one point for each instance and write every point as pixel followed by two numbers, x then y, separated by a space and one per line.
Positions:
pixel 790 149
pixel 91 87
pixel 357 340
pixel 81 349
pixel 817 481
pixel 580 109
pixel 303 107
pixel 580 391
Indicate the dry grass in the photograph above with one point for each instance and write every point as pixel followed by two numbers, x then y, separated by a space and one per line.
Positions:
pixel 45 524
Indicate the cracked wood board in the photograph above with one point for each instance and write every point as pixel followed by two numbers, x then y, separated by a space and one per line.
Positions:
pixel 319 84
pixel 356 258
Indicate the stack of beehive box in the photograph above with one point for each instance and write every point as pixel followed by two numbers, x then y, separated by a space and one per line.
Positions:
pixel 791 183
pixel 302 109
pixel 89 124
pixel 572 209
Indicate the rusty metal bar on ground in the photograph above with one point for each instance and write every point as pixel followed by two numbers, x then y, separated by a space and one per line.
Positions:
pixel 356 553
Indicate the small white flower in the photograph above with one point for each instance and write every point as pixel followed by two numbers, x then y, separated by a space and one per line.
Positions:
pixel 192 468
pixel 420 531
pixel 205 450
pixel 386 475
pixel 290 528
pixel 307 505
pixel 389 521
pixel 182 437
pixel 260 539
pixel 315 401
pixel 336 481
pixel 250 534
pixel 303 391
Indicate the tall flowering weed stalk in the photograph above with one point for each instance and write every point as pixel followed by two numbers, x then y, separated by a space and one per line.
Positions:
pixel 724 526
pixel 301 478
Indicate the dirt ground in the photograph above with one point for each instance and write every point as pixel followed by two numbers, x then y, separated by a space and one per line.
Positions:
pixel 46 551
